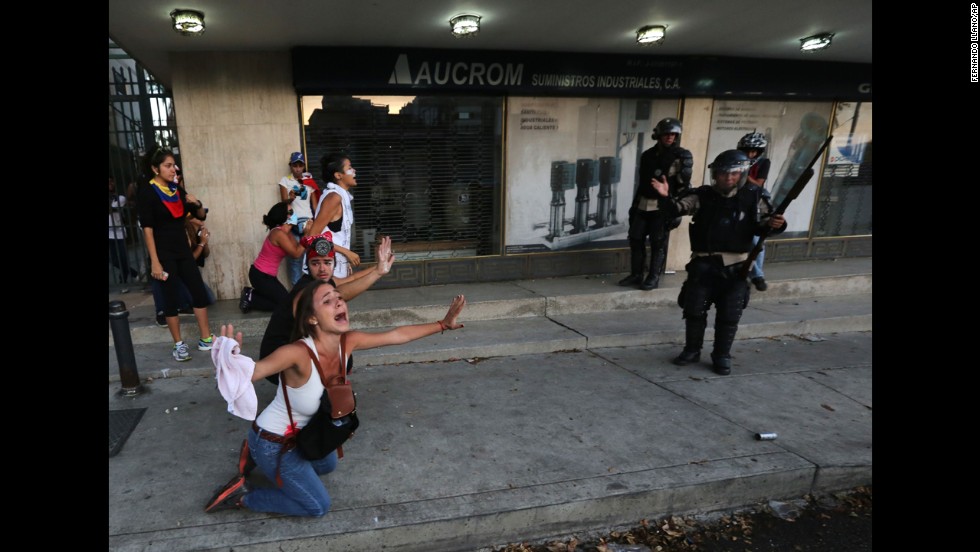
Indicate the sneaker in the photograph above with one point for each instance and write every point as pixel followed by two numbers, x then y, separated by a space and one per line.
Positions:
pixel 760 283
pixel 245 302
pixel 161 320
pixel 181 352
pixel 245 461
pixel 229 496
pixel 205 344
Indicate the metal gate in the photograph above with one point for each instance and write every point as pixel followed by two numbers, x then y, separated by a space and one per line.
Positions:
pixel 141 114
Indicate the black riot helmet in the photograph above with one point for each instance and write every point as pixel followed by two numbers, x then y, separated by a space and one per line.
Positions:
pixel 667 126
pixel 753 140
pixel 730 161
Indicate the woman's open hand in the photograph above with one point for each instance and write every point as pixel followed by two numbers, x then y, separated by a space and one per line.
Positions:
pixel 228 330
pixel 454 309
pixel 384 256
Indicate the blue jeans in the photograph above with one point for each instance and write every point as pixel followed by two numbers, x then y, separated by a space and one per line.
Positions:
pixel 756 271
pixel 294 267
pixel 302 492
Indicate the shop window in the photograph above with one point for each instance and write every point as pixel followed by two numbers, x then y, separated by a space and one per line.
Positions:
pixel 428 169
pixel 844 201
pixel 572 167
pixel 794 132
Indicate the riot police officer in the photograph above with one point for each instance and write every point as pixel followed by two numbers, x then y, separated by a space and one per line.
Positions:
pixel 647 218
pixel 753 145
pixel 727 214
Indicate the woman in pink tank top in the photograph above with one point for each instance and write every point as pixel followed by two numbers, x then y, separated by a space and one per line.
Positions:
pixel 267 291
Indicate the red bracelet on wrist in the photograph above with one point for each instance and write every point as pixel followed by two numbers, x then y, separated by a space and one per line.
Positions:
pixel 442 325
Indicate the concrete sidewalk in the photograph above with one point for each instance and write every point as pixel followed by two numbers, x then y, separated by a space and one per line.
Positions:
pixel 537 316
pixel 577 421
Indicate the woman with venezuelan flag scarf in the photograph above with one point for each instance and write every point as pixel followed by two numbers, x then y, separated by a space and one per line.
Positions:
pixel 163 205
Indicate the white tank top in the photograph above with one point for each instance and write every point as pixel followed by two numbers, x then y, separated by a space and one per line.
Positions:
pixel 305 401
pixel 342 237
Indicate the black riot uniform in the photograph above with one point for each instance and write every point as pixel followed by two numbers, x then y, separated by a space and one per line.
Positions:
pixel 647 215
pixel 721 239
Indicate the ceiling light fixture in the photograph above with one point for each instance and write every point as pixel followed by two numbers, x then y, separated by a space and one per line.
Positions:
pixel 651 34
pixel 188 22
pixel 816 42
pixel 465 24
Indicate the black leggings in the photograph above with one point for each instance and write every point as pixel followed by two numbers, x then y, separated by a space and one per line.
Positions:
pixel 184 270
pixel 268 291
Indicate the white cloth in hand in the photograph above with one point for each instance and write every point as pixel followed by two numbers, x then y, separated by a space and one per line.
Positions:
pixel 234 374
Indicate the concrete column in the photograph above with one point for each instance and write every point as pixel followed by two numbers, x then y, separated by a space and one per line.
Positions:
pixel 238 120
pixel 696 119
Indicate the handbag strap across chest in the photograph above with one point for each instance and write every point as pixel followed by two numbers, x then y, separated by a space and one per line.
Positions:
pixel 289 441
pixel 315 357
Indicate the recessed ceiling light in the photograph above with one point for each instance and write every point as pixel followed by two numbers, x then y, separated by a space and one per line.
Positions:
pixel 465 24
pixel 816 42
pixel 651 34
pixel 188 22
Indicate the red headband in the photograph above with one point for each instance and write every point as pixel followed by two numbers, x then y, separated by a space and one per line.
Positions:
pixel 307 243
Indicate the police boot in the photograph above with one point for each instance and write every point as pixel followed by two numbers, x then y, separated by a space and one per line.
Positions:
pixel 631 280
pixel 636 269
pixel 721 358
pixel 652 281
pixel 693 340
pixel 658 259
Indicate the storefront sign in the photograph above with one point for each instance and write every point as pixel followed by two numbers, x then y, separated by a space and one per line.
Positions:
pixel 400 71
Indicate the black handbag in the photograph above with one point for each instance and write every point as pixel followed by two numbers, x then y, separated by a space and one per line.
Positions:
pixel 335 421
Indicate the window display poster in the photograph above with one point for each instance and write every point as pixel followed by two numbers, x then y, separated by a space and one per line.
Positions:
pixel 795 131
pixel 571 169
pixel 852 132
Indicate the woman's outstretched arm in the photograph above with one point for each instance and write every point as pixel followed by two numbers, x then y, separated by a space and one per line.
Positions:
pixel 357 340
